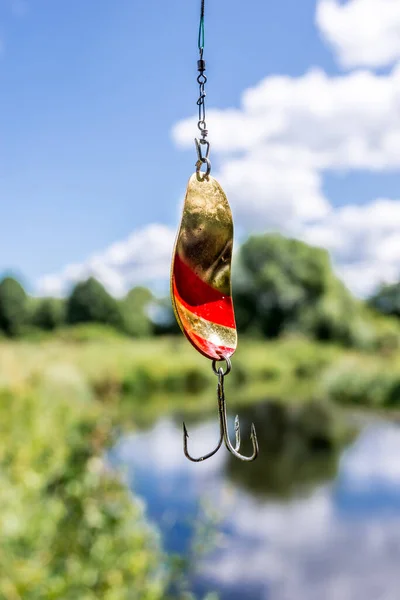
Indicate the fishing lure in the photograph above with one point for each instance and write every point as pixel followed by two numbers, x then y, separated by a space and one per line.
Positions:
pixel 201 271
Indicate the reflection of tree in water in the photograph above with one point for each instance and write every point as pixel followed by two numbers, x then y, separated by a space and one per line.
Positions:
pixel 299 447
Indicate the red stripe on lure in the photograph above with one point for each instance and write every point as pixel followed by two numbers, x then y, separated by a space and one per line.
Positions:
pixel 199 297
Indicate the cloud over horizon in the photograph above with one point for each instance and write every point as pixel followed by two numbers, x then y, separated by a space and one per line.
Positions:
pixel 273 152
pixel 144 257
pixel 290 132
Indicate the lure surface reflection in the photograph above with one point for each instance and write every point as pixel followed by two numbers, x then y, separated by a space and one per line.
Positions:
pixel 201 270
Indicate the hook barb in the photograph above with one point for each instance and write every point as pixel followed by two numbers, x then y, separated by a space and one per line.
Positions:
pixel 237 433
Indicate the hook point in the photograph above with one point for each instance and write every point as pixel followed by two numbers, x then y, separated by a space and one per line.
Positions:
pixel 185 431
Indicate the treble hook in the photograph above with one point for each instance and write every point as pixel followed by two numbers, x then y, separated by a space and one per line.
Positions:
pixel 223 423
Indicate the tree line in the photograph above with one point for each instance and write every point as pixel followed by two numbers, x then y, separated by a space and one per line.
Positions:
pixel 88 302
pixel 280 285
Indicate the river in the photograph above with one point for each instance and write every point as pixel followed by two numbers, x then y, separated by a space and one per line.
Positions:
pixel 303 522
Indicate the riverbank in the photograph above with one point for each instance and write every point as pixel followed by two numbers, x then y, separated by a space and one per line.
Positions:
pixel 92 363
pixel 69 527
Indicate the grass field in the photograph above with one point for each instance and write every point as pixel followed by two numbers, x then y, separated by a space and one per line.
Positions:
pixel 87 363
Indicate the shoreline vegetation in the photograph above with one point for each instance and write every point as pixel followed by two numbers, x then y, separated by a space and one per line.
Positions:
pixel 68 527
pixel 93 362
pixel 302 334
pixel 76 372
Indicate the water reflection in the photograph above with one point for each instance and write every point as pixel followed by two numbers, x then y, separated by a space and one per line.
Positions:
pixel 298 450
pixel 278 540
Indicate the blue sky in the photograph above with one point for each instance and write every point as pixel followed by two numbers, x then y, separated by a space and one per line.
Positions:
pixel 94 142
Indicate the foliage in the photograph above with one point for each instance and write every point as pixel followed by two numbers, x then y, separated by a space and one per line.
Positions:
pixel 49 313
pixel 284 285
pixel 87 332
pixel 387 300
pixel 134 310
pixel 90 302
pixel 351 381
pixel 68 527
pixel 281 287
pixel 13 307
pixel 98 362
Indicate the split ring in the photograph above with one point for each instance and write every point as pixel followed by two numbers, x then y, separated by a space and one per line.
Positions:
pixel 228 365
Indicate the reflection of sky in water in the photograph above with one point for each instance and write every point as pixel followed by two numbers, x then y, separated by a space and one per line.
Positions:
pixel 341 542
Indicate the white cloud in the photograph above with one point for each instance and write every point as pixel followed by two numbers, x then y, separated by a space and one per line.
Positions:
pixel 364 242
pixel 344 122
pixel 381 445
pixel 160 449
pixel 274 150
pixel 315 547
pixel 265 193
pixel 361 32
pixel 273 153
pixel 143 257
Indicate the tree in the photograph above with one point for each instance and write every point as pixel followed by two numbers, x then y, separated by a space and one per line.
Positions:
pixel 286 285
pixel 49 313
pixel 134 310
pixel 387 300
pixel 13 307
pixel 90 302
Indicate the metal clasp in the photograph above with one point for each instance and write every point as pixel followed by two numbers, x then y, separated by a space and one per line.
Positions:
pixel 202 160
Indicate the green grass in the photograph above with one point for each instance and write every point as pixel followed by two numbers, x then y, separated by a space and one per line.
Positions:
pixel 68 527
pixel 96 363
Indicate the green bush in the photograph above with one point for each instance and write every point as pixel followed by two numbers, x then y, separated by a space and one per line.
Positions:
pixel 68 527
pixel 89 302
pixel 351 382
pixel 140 382
pixel 387 299
pixel 285 286
pixel 194 380
pixel 134 311
pixel 144 381
pixel 88 332
pixel 49 313
pixel 13 307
